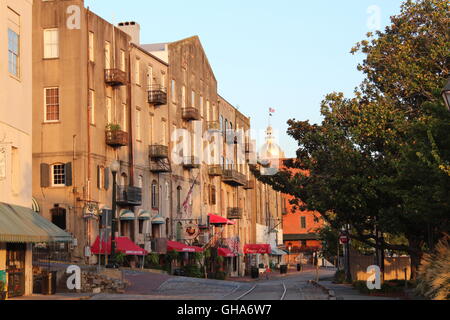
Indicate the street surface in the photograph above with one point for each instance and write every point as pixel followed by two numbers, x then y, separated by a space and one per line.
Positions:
pixel 147 286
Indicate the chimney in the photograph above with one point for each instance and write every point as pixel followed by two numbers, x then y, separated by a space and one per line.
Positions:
pixel 133 29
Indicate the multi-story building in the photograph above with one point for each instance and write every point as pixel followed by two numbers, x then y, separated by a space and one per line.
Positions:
pixel 100 96
pixel 81 117
pixel 20 226
pixel 301 227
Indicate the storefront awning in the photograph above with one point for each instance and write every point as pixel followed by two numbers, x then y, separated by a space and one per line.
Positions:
pixel 144 215
pixel 35 205
pixel 181 247
pixel 23 225
pixel 257 248
pixel 158 220
pixel 123 245
pixel 227 253
pixel 278 252
pixel 218 220
pixel 127 215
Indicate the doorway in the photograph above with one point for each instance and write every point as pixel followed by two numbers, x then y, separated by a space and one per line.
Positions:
pixel 15 267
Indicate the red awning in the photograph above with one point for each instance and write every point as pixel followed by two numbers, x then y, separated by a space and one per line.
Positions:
pixel 215 219
pixel 227 253
pixel 181 247
pixel 257 248
pixel 123 245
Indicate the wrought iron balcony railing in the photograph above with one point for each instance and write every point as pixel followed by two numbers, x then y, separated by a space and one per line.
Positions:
pixel 191 114
pixel 158 152
pixel 191 162
pixel 115 77
pixel 215 170
pixel 234 178
pixel 116 138
pixel 157 95
pixel 129 196
pixel 235 213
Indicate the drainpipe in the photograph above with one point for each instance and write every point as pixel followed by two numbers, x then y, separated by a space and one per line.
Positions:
pixel 88 129
pixel 130 124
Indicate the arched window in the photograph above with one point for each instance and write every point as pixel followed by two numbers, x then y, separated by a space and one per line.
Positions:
pixel 179 231
pixel 179 199
pixel 155 195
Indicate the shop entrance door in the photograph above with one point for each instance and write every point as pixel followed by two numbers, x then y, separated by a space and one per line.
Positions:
pixel 15 267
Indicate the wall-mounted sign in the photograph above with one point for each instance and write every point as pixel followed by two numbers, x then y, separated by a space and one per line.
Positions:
pixel 191 231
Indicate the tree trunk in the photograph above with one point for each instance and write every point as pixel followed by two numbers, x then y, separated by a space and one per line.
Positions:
pixel 416 255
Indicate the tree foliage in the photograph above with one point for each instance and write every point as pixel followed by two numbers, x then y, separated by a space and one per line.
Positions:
pixel 378 160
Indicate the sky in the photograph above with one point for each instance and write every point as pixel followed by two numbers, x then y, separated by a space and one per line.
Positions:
pixel 285 54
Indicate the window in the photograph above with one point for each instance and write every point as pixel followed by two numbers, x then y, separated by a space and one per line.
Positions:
pixel 15 171
pixel 149 76
pixel 124 117
pixel 58 175
pixel 51 43
pixel 13 53
pixel 163 80
pixel 100 177
pixel 92 106
pixel 138 125
pixel 137 72
pixel 183 97
pixel 154 195
pixel 109 110
pixel 140 182
pixel 59 217
pixel 167 191
pixel 201 106
pixel 164 133
pixel 172 91
pixel 179 199
pixel 91 46
pixel 51 100
pixel 212 195
pixel 303 222
pixel 208 113
pixel 122 60
pixel 107 55
pixel 193 99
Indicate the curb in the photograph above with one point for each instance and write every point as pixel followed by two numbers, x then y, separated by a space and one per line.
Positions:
pixel 331 294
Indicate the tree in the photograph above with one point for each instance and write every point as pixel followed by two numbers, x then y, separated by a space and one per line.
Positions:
pixel 371 163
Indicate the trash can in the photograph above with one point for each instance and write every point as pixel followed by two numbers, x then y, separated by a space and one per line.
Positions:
pixel 299 267
pixel 49 283
pixel 255 273
pixel 283 269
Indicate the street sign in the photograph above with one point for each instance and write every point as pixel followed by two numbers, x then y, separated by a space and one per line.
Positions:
pixel 343 239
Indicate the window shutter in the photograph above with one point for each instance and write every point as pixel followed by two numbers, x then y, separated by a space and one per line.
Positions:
pixel 98 177
pixel 106 178
pixel 45 175
pixel 68 172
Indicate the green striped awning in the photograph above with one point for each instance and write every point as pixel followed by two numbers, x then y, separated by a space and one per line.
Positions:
pixel 23 225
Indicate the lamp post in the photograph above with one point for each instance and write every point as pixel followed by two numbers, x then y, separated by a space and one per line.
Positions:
pixel 446 94
pixel 115 167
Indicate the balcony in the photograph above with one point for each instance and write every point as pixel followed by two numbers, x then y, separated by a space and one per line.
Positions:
pixel 129 196
pixel 234 178
pixel 235 213
pixel 190 114
pixel 191 162
pixel 160 167
pixel 250 184
pixel 116 138
pixel 115 77
pixel 213 126
pixel 157 95
pixel 215 170
pixel 158 152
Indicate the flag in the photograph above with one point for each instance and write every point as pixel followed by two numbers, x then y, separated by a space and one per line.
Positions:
pixel 186 203
pixel 271 110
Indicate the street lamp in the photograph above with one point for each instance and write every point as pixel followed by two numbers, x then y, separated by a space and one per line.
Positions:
pixel 115 167
pixel 446 94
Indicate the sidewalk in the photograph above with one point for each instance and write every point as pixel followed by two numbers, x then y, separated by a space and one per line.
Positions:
pixel 56 297
pixel 347 292
pixel 275 274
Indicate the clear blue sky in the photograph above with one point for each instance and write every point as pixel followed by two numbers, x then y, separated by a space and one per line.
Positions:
pixel 285 54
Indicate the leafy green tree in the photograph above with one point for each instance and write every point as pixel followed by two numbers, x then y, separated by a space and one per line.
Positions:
pixel 376 161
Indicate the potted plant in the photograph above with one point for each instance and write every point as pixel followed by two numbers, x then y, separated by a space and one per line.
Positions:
pixel 3 293
pixel 113 127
